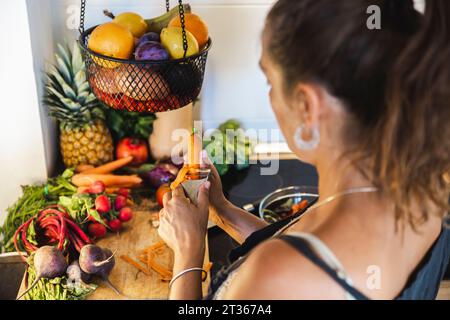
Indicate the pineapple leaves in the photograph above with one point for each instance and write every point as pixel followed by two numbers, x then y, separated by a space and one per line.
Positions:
pixel 77 59
pixel 68 96
pixel 80 81
pixel 63 69
pixel 65 54
pixel 66 88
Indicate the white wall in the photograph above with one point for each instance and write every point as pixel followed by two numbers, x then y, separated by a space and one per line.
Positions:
pixel 22 156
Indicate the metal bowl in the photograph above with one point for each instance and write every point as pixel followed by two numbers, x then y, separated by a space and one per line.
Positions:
pixel 295 193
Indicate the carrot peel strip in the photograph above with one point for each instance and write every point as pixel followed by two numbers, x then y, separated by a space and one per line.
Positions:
pixel 134 263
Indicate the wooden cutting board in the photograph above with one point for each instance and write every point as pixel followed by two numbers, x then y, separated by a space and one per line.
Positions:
pixel 136 235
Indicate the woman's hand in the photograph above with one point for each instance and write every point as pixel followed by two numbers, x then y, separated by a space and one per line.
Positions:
pixel 183 225
pixel 217 198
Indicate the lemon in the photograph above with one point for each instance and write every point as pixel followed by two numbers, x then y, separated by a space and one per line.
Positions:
pixel 172 40
pixel 133 22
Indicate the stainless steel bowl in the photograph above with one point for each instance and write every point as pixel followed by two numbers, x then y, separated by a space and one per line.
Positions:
pixel 296 193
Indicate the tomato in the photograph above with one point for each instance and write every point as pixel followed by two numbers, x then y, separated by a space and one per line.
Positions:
pixel 162 190
pixel 132 147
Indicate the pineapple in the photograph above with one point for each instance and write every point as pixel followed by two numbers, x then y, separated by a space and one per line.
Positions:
pixel 84 137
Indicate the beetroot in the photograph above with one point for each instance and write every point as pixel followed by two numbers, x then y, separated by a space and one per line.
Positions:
pixel 49 263
pixel 102 204
pixel 120 202
pixel 98 262
pixel 75 274
pixel 125 214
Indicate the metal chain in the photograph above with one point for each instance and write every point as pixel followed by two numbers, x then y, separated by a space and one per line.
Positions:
pixel 82 13
pixel 183 27
pixel 167 5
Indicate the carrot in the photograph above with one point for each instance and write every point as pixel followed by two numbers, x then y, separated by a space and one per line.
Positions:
pixel 85 180
pixel 154 247
pixel 152 264
pixel 299 206
pixel 134 263
pixel 110 166
pixel 207 268
pixel 180 177
pixel 194 149
pixel 83 167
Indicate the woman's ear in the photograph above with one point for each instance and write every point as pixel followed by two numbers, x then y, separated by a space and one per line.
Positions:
pixel 307 104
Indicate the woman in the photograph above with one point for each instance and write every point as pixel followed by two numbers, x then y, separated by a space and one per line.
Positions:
pixel 370 109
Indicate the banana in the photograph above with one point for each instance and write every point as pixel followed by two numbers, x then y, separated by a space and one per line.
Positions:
pixel 159 23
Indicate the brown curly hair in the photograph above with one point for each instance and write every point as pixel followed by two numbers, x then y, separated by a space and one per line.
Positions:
pixel 395 82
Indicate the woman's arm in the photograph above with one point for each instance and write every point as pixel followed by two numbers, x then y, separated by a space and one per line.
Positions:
pixel 236 222
pixel 188 286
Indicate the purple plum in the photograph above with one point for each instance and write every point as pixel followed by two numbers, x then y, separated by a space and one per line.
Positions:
pixel 151 36
pixel 151 50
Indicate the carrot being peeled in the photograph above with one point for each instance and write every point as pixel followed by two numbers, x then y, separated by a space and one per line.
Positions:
pixel 180 177
pixel 110 166
pixel 194 149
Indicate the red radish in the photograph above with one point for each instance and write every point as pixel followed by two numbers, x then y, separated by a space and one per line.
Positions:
pixel 115 225
pixel 97 187
pixel 97 230
pixel 125 214
pixel 120 202
pixel 102 204
pixel 123 192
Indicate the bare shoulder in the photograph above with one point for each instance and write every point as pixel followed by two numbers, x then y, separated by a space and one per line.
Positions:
pixel 275 270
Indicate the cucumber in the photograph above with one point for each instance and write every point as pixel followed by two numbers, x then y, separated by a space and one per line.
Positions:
pixel 159 23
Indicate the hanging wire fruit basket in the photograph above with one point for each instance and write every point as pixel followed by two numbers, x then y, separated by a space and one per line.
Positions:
pixel 144 85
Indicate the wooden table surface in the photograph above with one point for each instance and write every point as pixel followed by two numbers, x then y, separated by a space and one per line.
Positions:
pixel 135 236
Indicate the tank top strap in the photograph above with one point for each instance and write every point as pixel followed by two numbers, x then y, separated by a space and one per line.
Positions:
pixel 318 253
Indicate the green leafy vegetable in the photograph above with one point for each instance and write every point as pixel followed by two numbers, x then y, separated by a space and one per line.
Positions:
pixel 129 124
pixel 34 198
pixel 79 207
pixel 57 288
pixel 229 147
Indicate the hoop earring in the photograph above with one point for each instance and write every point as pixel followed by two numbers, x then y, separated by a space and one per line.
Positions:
pixel 307 145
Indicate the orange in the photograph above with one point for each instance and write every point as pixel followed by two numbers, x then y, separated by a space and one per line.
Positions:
pixel 196 25
pixel 111 40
